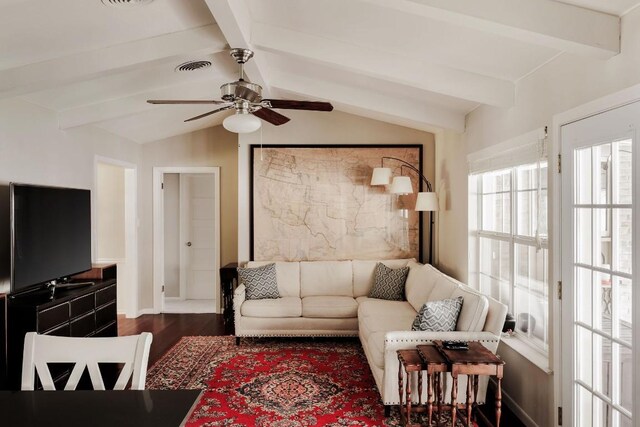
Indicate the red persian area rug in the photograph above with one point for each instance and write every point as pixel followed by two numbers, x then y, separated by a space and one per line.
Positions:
pixel 273 383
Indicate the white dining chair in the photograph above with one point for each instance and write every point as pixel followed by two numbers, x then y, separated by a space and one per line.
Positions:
pixel 132 351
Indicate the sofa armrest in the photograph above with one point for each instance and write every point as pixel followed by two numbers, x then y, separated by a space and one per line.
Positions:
pixel 238 298
pixel 399 340
pixel 239 292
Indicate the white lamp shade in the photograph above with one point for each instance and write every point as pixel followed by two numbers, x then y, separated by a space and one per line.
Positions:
pixel 401 185
pixel 427 202
pixel 242 123
pixel 381 176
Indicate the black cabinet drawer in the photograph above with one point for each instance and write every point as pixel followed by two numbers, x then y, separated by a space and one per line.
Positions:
pixel 84 325
pixel 82 305
pixel 52 317
pixel 106 295
pixel 60 331
pixel 105 315
pixel 110 330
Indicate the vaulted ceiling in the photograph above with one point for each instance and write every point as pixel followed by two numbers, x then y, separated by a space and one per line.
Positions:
pixel 424 64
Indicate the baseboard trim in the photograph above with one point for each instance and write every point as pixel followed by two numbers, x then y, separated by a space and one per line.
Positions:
pixel 515 408
pixel 145 311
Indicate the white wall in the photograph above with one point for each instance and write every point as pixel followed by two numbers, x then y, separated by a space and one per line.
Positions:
pixel 109 212
pixel 564 83
pixel 315 128
pixel 171 235
pixel 208 147
pixel 33 150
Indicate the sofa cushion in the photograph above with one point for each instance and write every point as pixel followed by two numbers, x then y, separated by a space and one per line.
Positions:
pixel 474 310
pixel 288 275
pixel 261 282
pixel 280 307
pixel 321 278
pixel 380 307
pixel 387 321
pixel 420 282
pixel 388 283
pixel 438 316
pixel 329 306
pixel 363 273
pixel 443 288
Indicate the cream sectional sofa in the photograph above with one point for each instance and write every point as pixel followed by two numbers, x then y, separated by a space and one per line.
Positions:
pixel 329 298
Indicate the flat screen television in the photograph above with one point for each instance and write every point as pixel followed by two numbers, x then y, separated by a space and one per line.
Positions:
pixel 50 234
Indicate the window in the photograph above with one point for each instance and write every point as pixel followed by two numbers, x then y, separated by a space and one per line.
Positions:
pixel 510 245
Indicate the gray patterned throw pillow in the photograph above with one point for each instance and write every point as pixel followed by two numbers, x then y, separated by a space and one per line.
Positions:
pixel 389 283
pixel 260 282
pixel 438 316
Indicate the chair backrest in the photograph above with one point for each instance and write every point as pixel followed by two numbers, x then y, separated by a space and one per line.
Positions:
pixel 132 351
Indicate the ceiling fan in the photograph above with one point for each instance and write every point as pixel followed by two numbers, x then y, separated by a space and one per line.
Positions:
pixel 246 98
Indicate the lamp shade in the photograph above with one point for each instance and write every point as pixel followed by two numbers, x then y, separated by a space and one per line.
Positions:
pixel 401 185
pixel 427 201
pixel 381 176
pixel 242 123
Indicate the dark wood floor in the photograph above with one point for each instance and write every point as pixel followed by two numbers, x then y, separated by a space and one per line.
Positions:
pixel 167 329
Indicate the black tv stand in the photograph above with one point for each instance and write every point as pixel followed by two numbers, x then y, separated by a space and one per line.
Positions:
pixel 74 285
pixel 77 311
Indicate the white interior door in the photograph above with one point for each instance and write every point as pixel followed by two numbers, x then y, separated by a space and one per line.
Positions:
pixel 600 385
pixel 199 234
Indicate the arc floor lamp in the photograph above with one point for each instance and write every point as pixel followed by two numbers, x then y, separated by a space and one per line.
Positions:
pixel 426 201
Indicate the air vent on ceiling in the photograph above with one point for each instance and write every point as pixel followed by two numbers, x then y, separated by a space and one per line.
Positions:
pixel 125 3
pixel 193 65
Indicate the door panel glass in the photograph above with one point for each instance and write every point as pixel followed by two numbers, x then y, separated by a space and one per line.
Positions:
pixel 603 368
pixel 602 302
pixel 584 347
pixel 625 370
pixel 584 291
pixel 602 155
pixel 584 407
pixel 622 301
pixel 583 174
pixel 622 171
pixel 602 239
pixel 622 240
pixel 583 231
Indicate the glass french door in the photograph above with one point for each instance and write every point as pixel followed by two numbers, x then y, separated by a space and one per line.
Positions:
pixel 599 263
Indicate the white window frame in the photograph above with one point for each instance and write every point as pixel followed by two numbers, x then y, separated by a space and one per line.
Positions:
pixel 523 150
pixel 512 238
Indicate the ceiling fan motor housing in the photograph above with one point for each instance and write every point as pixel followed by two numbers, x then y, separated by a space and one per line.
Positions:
pixel 241 90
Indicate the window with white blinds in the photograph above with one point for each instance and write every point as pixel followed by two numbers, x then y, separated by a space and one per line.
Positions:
pixel 508 233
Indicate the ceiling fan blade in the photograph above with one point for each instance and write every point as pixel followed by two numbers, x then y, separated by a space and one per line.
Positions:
pixel 271 116
pixel 209 113
pixel 289 104
pixel 184 101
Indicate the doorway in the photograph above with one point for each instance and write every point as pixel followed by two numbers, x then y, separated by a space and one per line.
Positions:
pixel 599 263
pixel 116 232
pixel 187 240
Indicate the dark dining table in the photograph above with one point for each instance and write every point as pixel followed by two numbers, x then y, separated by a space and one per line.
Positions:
pixel 139 408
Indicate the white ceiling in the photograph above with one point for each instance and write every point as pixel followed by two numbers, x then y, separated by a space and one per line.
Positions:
pixel 418 63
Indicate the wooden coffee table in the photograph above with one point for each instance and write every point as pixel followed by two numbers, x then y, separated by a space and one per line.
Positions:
pixel 436 365
pixel 477 360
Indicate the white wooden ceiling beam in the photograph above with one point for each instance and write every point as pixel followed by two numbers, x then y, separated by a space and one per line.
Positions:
pixel 553 24
pixel 234 20
pixel 369 103
pixel 123 57
pixel 135 104
pixel 386 66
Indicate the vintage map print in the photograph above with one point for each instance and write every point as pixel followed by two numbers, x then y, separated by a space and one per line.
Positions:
pixel 315 203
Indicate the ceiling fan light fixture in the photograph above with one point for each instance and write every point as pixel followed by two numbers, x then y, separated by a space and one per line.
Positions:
pixel 242 122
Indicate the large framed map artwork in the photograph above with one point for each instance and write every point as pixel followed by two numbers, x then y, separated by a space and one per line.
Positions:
pixel 316 203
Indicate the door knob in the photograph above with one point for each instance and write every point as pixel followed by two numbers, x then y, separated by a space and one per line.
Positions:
pixel 188 243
